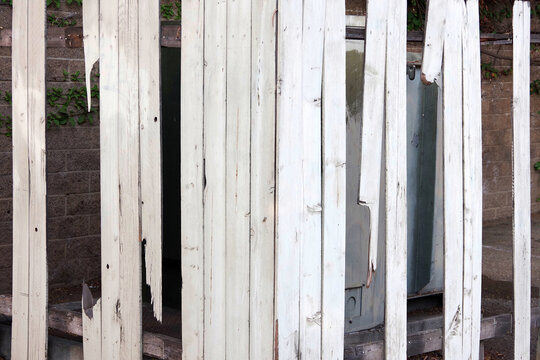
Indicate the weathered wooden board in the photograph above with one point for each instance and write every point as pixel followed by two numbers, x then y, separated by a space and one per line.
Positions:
pixel 110 212
pixel 453 181
pixel 521 179
pixel 434 39
pixel 373 122
pixel 150 146
pixel 313 35
pixel 29 332
pixel 191 179
pixel 263 116
pixel 215 173
pixel 130 309
pixel 472 182
pixel 334 181
pixel 91 42
pixel 238 194
pixel 289 172
pixel 396 183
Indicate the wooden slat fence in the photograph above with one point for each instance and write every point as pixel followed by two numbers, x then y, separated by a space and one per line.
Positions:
pixel 263 154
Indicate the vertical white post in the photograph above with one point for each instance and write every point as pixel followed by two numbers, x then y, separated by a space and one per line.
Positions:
pixel 310 240
pixel 150 146
pixel 396 183
pixel 130 307
pixel 110 212
pixel 214 172
pixel 373 122
pixel 191 179
pixel 263 123
pixel 334 181
pixel 521 180
pixel 238 187
pixel 453 181
pixel 289 174
pixel 29 332
pixel 91 320
pixel 91 42
pixel 472 182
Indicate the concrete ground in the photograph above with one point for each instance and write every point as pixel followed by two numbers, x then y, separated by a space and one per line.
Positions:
pixel 497 287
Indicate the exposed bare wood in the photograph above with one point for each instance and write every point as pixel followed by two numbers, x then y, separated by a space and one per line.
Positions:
pixel 434 39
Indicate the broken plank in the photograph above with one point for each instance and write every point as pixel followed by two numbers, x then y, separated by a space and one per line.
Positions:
pixel 434 39
pixel 150 148
pixel 91 42
pixel 373 123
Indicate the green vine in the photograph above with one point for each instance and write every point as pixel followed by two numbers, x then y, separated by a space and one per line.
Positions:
pixel 171 10
pixel 61 22
pixel 67 106
pixel 56 3
pixel 490 72
pixel 6 2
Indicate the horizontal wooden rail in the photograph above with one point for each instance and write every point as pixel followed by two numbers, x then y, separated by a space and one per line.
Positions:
pixel 66 321
pixel 72 37
pixel 424 336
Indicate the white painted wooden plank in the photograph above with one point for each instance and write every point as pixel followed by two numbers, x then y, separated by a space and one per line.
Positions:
pixel 263 124
pixel 238 178
pixel 396 183
pixel 373 122
pixel 150 146
pixel 21 191
pixel 38 289
pixel 521 179
pixel 29 334
pixel 310 239
pixel 453 182
pixel 110 247
pixel 334 182
pixel 289 172
pixel 92 331
pixel 191 179
pixel 434 39
pixel 91 42
pixel 130 308
pixel 472 182
pixel 215 156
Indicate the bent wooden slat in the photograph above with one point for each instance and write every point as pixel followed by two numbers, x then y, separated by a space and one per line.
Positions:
pixel 472 182
pixel 334 182
pixel 150 146
pixel 191 179
pixel 91 331
pixel 29 332
pixel 434 39
pixel 521 179
pixel 396 183
pixel 453 181
pixel 373 122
